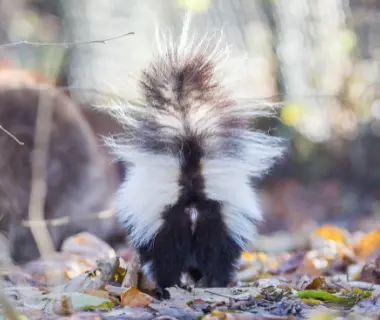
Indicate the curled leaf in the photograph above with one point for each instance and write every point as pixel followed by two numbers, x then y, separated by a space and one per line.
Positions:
pixel 368 245
pixel 132 297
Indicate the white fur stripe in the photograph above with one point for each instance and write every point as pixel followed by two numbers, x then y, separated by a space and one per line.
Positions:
pixel 151 185
pixel 228 182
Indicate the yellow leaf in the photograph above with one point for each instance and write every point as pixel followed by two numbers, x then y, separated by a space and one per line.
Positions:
pixel 368 245
pixel 217 313
pixel 333 233
pixel 194 5
pixel 291 113
pixel 348 40
pixel 247 256
pixel 311 301
pixel 132 297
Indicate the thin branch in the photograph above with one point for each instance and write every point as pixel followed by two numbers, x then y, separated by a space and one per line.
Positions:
pixel 63 44
pixel 226 296
pixel 11 135
pixel 38 188
pixel 106 214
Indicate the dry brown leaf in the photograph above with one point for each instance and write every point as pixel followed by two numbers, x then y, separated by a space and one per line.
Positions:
pixel 63 306
pixel 368 245
pixel 371 272
pixel 132 297
pixel 329 232
pixel 88 245
pixel 307 283
pixel 97 293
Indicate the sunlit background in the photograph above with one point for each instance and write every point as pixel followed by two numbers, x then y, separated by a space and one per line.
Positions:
pixel 321 58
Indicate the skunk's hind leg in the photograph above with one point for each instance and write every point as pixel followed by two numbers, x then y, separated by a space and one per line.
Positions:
pixel 167 255
pixel 215 251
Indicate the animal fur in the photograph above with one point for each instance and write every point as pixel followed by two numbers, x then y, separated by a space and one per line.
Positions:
pixel 188 202
pixel 77 181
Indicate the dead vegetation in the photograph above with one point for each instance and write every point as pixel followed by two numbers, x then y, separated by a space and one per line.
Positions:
pixel 338 276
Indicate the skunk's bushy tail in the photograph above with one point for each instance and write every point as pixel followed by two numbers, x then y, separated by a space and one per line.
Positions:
pixel 184 100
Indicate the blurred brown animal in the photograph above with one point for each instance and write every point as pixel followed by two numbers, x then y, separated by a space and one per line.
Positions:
pixel 80 179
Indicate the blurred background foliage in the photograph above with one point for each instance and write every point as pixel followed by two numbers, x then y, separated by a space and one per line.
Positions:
pixel 321 58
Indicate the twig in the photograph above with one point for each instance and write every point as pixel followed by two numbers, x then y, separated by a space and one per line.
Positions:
pixel 63 44
pixel 38 187
pixel 225 296
pixel 106 214
pixel 11 135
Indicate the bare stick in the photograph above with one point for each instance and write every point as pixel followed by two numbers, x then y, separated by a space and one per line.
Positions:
pixel 38 187
pixel 225 296
pixel 106 214
pixel 63 44
pixel 11 135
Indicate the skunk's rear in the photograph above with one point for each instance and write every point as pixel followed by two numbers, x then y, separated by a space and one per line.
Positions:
pixel 188 202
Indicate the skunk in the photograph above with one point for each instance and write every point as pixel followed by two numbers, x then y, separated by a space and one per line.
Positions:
pixel 76 176
pixel 188 202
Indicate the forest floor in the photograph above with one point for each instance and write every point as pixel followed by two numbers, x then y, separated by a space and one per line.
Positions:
pixel 338 276
pixel 322 271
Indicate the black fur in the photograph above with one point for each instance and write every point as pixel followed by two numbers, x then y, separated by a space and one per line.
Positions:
pixel 209 253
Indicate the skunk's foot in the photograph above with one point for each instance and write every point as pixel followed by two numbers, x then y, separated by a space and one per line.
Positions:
pixel 162 294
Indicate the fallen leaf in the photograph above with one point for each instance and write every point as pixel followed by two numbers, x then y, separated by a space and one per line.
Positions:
pixel 132 297
pixel 96 293
pixel 63 306
pixel 106 270
pixel 329 297
pixel 307 283
pixel 81 301
pixel 368 245
pixel 329 232
pixel 87 244
pixel 217 313
pixel 247 256
pixel 371 272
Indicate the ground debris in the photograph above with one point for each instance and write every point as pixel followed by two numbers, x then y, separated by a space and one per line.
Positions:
pixel 326 276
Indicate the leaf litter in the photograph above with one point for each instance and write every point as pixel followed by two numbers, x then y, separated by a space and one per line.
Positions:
pixel 335 276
